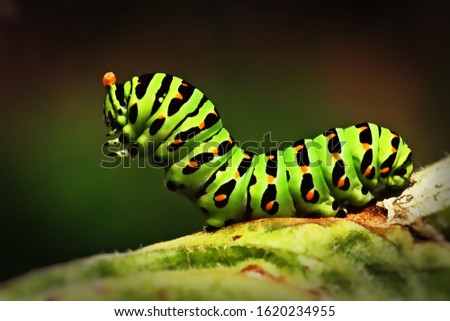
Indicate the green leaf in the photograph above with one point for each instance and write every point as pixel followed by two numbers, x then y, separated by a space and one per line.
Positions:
pixel 270 259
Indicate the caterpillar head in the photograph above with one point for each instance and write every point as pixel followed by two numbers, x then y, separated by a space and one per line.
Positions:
pixel 114 111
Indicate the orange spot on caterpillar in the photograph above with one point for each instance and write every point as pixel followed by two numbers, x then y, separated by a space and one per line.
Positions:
pixel 161 116
pixel 179 96
pixel 341 182
pixel 177 141
pixel 298 148
pixel 184 85
pixel 393 150
pixel 304 169
pixel 109 79
pixel 336 156
pixel 366 146
pixel 246 156
pixel 230 140
pixel 270 157
pixel 193 164
pixel 269 206
pixel 270 179
pixel 385 170
pixel 331 135
pixel 215 151
pixel 361 129
pixel 220 198
pixel 201 125
pixel 237 175
pixel 310 195
pixel 368 170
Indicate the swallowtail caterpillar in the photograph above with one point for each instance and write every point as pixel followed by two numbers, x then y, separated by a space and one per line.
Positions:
pixel 174 123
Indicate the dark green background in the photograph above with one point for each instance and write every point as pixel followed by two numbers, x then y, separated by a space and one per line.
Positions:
pixel 293 68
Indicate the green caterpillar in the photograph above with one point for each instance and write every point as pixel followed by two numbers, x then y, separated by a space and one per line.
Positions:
pixel 167 118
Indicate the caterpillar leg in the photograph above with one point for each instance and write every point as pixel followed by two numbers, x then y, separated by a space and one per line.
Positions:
pixel 342 213
pixel 111 132
pixel 112 142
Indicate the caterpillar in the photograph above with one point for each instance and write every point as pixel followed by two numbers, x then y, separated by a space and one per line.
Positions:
pixel 167 118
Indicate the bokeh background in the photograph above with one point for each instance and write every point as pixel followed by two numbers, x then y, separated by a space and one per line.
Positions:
pixel 294 68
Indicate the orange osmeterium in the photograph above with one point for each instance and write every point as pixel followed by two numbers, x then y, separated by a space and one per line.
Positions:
pixel 109 79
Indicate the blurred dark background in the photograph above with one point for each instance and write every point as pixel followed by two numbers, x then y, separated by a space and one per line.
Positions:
pixel 294 68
